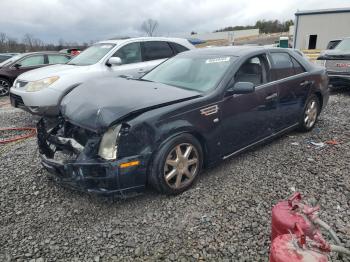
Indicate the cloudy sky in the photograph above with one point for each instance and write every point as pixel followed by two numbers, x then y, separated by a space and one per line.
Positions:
pixel 85 20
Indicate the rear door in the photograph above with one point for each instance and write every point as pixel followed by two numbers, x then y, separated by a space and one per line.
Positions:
pixel 248 118
pixel 293 86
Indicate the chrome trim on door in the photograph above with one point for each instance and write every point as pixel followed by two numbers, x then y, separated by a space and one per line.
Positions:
pixel 257 142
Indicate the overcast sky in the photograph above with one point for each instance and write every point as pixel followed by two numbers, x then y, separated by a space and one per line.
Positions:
pixel 85 20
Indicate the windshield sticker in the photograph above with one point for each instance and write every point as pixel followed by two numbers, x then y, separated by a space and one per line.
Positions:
pixel 217 60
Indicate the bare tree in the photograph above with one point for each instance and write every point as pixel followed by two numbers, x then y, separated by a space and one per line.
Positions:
pixel 28 41
pixel 149 26
pixel 3 39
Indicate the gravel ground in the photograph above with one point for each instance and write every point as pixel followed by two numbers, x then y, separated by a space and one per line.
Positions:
pixel 224 217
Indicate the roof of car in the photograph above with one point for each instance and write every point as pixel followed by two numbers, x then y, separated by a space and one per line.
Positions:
pixel 230 50
pixel 118 41
pixel 41 52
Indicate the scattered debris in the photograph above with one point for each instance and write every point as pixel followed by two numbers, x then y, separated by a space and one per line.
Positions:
pixel 332 142
pixel 318 145
pixel 295 144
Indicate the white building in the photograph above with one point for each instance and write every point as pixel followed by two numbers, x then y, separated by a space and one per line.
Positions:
pixel 315 28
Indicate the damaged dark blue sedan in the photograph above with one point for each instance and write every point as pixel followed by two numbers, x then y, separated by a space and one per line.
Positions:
pixel 116 135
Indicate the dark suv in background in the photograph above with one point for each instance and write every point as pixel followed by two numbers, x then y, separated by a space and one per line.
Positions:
pixel 11 68
pixel 337 63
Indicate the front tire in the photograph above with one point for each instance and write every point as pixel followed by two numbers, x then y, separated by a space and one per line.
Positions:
pixel 310 114
pixel 4 87
pixel 176 165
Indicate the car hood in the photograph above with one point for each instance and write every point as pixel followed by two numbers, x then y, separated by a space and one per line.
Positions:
pixel 334 54
pixel 53 70
pixel 98 104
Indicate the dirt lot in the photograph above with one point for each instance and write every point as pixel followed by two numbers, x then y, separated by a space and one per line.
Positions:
pixel 225 216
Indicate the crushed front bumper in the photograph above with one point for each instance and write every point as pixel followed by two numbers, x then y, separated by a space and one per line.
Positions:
pixel 85 171
pixel 93 177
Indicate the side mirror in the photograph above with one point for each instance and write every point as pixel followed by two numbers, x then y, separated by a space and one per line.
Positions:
pixel 114 61
pixel 17 66
pixel 242 88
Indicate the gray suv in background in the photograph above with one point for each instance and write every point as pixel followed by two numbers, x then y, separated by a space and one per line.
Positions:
pixel 337 63
pixel 41 91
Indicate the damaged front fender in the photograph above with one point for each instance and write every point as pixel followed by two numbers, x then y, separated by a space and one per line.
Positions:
pixel 69 154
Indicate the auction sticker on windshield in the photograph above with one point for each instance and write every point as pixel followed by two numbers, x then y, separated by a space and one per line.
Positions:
pixel 217 60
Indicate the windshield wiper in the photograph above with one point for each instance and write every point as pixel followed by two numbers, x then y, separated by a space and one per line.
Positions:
pixel 141 79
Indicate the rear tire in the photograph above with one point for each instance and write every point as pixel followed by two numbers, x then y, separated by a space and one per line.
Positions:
pixel 176 165
pixel 310 114
pixel 4 87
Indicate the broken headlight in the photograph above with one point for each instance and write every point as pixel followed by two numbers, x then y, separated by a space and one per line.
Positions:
pixel 109 143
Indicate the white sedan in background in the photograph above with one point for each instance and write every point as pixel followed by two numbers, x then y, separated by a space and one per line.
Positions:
pixel 41 91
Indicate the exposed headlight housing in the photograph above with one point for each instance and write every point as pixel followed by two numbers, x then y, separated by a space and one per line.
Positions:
pixel 109 143
pixel 41 84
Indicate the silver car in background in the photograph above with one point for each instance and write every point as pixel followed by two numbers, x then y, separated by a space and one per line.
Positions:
pixel 41 91
pixel 337 63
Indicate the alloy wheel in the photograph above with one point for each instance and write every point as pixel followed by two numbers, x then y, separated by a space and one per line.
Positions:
pixel 181 166
pixel 4 87
pixel 311 114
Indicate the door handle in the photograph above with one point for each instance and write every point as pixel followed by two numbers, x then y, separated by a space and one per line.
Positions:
pixel 270 97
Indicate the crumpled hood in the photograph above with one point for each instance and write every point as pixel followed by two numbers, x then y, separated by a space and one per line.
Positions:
pixel 53 70
pixel 334 54
pixel 97 104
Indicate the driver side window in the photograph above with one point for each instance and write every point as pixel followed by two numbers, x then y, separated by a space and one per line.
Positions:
pixel 130 53
pixel 253 71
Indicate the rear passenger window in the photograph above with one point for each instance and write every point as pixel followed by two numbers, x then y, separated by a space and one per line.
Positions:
pixel 58 59
pixel 283 65
pixel 178 48
pixel 154 50
pixel 298 68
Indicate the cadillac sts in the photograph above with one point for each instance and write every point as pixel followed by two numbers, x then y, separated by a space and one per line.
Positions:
pixel 116 135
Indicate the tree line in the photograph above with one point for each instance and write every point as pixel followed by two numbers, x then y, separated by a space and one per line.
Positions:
pixel 264 26
pixel 29 43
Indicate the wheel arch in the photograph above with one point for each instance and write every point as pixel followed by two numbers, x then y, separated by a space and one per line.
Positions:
pixel 201 139
pixel 7 78
pixel 320 98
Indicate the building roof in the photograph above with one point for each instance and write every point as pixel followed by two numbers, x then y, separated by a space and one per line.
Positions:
pixel 323 11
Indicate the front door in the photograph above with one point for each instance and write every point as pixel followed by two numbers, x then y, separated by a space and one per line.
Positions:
pixel 248 118
pixel 131 57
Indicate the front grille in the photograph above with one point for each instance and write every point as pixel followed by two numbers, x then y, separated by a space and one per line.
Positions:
pixel 338 66
pixel 18 100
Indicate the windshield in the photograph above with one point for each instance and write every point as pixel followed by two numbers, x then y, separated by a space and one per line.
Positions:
pixel 91 55
pixel 194 73
pixel 11 60
pixel 343 45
